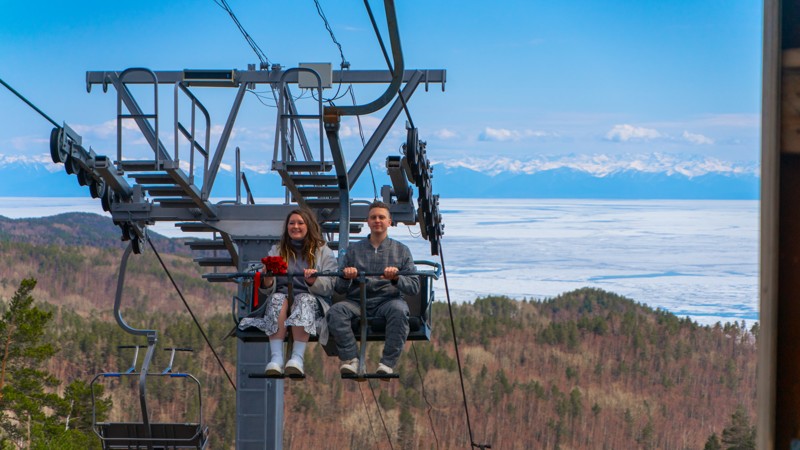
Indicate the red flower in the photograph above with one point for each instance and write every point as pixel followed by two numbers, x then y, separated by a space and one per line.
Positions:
pixel 275 265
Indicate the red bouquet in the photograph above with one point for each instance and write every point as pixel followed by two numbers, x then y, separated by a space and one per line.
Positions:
pixel 275 265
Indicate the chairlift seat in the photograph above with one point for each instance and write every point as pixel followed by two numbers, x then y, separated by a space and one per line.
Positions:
pixel 164 436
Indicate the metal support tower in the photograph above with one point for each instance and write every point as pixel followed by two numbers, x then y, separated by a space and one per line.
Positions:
pixel 175 185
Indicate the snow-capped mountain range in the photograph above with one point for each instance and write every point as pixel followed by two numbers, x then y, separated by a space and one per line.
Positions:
pixel 603 165
pixel 654 176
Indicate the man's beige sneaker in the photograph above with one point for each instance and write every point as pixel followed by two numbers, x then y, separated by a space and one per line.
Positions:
pixel 349 367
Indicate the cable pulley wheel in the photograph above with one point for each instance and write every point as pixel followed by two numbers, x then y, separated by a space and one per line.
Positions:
pixel 423 230
pixel 107 198
pixel 97 188
pixel 69 166
pixel 137 244
pixel 57 154
pixel 82 177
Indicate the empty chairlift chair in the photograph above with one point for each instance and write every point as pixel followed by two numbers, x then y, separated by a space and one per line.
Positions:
pixel 145 434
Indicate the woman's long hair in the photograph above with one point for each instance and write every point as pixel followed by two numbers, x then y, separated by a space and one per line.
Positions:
pixel 312 242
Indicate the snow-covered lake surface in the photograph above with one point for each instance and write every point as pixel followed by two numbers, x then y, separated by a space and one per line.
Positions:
pixel 693 258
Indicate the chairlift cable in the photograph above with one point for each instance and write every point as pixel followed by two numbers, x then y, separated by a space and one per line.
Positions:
pixel 377 405
pixel 386 57
pixel 259 53
pixel 262 57
pixel 330 31
pixel 344 64
pixel 424 396
pixel 364 144
pixel 260 97
pixel 366 409
pixel 188 308
pixel 458 357
pixel 21 97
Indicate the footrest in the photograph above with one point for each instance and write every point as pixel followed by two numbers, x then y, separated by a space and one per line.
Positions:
pixel 357 377
pixel 278 377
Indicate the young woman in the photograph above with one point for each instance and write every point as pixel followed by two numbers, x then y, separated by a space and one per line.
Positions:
pixel 303 248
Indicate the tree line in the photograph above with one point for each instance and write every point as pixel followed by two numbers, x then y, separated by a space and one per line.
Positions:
pixel 587 369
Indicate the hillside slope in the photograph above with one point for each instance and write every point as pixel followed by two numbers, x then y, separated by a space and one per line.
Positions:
pixel 587 369
pixel 76 256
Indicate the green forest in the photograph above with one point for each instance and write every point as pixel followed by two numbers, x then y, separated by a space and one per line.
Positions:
pixel 586 369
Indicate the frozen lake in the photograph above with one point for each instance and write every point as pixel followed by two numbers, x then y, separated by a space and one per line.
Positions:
pixel 694 258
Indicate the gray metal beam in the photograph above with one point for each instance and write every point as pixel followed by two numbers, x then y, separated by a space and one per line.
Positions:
pixel 436 76
pixel 337 154
pixel 259 401
pixel 213 168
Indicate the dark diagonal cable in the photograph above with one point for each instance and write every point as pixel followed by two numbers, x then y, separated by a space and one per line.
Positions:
pixel 364 144
pixel 188 308
pixel 259 53
pixel 458 357
pixel 366 408
pixel 346 65
pixel 377 405
pixel 30 104
pixel 330 31
pixel 424 396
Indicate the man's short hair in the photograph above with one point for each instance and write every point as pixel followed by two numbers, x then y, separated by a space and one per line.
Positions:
pixel 380 204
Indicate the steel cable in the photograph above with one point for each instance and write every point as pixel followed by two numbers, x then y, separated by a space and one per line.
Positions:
pixel 188 308
pixel 458 357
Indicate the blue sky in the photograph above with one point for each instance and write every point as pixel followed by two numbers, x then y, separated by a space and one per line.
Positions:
pixel 526 79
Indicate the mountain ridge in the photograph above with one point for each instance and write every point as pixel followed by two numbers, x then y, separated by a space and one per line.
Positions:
pixel 578 177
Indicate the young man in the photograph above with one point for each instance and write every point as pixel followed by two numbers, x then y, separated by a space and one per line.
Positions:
pixel 376 254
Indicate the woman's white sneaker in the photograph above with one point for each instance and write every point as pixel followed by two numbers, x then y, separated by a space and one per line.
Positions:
pixel 294 367
pixel 273 370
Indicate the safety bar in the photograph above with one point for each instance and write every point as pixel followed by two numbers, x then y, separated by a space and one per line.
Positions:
pixel 132 368
pixel 172 356
pixel 435 274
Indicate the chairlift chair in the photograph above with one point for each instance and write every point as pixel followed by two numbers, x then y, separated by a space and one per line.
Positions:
pixel 371 329
pixel 145 434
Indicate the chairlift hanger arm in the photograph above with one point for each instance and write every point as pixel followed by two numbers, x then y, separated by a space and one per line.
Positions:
pixel 397 71
pixel 383 128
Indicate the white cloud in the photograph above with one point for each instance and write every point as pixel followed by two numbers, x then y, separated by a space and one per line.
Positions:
pixel 698 139
pixel 23 143
pixel 626 132
pixel 104 130
pixel 504 135
pixel 345 131
pixel 445 134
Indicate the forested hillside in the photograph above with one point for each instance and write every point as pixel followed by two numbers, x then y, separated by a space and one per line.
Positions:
pixel 588 369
